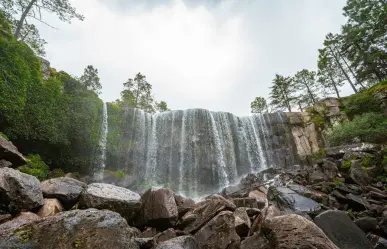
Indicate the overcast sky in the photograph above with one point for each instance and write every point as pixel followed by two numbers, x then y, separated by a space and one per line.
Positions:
pixel 217 55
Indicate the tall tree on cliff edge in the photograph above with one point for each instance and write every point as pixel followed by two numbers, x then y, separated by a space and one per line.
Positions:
pixel 363 38
pixel 281 94
pixel 259 105
pixel 91 80
pixel 139 91
pixel 330 77
pixel 162 106
pixel 304 82
pixel 34 9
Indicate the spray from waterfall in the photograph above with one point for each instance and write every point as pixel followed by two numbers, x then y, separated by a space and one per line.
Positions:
pixel 98 174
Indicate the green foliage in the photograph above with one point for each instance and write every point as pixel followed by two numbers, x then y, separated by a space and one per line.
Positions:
pixel 369 127
pixel 4 136
pixel 360 103
pixel 337 182
pixel 55 173
pixel 317 118
pixel 304 81
pixel 259 105
pixel 162 106
pixel 346 164
pixel 36 167
pixel 318 155
pixel 282 91
pixel 91 80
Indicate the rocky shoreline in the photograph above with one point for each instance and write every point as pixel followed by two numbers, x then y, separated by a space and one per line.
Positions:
pixel 337 203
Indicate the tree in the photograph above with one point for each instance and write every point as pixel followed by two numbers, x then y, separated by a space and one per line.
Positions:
pixel 162 106
pixel 259 105
pixel 363 38
pixel 141 93
pixel 330 77
pixel 304 82
pixel 34 9
pixel 91 80
pixel 281 94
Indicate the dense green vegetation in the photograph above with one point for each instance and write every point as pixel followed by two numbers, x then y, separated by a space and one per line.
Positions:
pixel 57 118
pixel 356 56
pixel 36 167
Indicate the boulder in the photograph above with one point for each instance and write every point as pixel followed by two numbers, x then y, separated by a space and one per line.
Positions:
pixel 87 229
pixel 106 196
pixel 5 164
pixel 145 243
pixel 358 174
pixel 308 193
pixel 266 213
pixel 261 198
pixel 22 219
pixel 158 209
pixel 218 233
pixel 4 218
pixel 67 190
pixel 293 232
pixel 149 232
pixel 51 207
pixel 203 212
pixel 250 202
pixel 21 190
pixel 251 212
pixel 367 224
pixel 168 234
pixel 330 169
pixel 183 204
pixel 339 151
pixel 10 153
pixel 242 222
pixel 289 201
pixel 182 242
pixel 377 241
pixel 257 241
pixel 341 230
pixel 357 203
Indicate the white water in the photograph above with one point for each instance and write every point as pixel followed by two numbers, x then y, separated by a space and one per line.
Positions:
pixel 98 174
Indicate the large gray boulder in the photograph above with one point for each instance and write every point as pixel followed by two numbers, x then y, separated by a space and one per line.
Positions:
pixel 342 231
pixel 242 222
pixel 339 151
pixel 87 229
pixel 257 241
pixel 184 204
pixel 106 196
pixel 182 242
pixel 20 220
pixel 10 153
pixel 203 212
pixel 19 189
pixel 294 232
pixel 218 233
pixel 291 202
pixel 158 209
pixel 67 190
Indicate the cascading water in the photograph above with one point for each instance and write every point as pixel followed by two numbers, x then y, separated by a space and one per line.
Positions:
pixel 98 174
pixel 196 151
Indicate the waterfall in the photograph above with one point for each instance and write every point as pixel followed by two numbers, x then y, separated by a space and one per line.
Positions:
pixel 196 151
pixel 98 174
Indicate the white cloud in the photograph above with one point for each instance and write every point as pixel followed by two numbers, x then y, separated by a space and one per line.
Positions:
pixel 215 58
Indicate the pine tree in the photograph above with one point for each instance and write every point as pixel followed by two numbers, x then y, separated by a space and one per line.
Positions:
pixel 259 105
pixel 91 80
pixel 305 83
pixel 281 94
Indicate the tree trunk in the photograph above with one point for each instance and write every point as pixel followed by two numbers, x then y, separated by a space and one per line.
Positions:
pixel 22 18
pixel 300 107
pixel 342 69
pixel 334 86
pixel 309 92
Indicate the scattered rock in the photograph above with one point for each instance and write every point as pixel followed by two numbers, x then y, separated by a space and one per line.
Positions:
pixel 218 233
pixel 88 229
pixel 21 190
pixel 339 151
pixel 158 209
pixel 4 218
pixel 10 153
pixel 5 164
pixel 260 197
pixel 106 196
pixel 67 190
pixel 358 174
pixel 182 242
pixel 250 202
pixel 145 243
pixel 242 222
pixel 183 204
pixel 203 212
pixel 251 212
pixel 367 224
pixel 168 234
pixel 341 230
pixel 308 193
pixel 377 241
pixel 257 241
pixel 293 231
pixel 289 201
pixel 266 213
pixel 330 169
pixel 22 219
pixel 357 203
pixel 50 208
pixel 149 232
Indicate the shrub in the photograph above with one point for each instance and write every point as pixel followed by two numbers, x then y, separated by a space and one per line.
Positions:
pixel 36 167
pixel 369 127
pixel 360 103
pixel 4 136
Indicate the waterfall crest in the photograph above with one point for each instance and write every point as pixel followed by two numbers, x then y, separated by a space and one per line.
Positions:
pixel 196 151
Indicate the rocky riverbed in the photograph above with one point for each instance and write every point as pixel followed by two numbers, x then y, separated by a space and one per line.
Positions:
pixel 340 202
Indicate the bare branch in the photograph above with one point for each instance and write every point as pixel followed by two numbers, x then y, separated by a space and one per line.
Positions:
pixel 42 22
